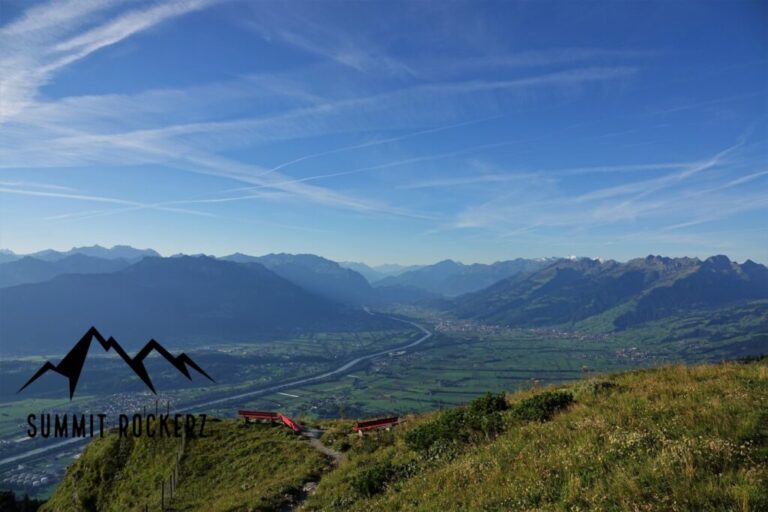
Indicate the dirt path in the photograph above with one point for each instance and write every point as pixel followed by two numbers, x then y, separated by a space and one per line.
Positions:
pixel 336 457
pixel 313 437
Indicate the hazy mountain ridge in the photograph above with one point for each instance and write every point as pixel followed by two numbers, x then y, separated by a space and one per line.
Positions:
pixel 377 272
pixel 125 252
pixel 198 293
pixel 181 299
pixel 29 269
pixel 648 288
pixel 370 274
pixel 334 281
pixel 451 278
pixel 8 256
pixel 315 274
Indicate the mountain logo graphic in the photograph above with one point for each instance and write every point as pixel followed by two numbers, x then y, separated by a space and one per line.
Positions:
pixel 72 364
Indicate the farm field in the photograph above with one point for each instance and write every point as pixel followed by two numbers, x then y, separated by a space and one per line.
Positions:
pixel 464 360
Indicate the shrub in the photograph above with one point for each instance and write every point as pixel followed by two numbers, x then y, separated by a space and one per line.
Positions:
pixel 374 480
pixel 543 406
pixel 480 419
pixel 489 403
pixel 444 427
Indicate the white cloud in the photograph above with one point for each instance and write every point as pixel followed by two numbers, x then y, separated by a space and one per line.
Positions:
pixel 35 50
pixel 95 199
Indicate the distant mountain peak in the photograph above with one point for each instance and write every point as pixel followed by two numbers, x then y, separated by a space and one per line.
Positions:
pixel 719 260
pixel 116 252
pixel 448 263
pixel 71 366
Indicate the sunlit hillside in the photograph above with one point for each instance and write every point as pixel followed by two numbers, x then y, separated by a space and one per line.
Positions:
pixel 672 438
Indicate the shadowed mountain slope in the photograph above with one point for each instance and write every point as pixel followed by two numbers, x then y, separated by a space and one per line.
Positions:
pixel 332 280
pixel 450 278
pixel 315 274
pixel 33 270
pixel 179 300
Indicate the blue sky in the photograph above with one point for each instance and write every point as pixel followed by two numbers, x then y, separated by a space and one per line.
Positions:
pixel 381 132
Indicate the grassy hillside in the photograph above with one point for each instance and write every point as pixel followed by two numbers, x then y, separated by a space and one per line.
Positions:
pixel 672 438
pixel 675 438
pixel 239 467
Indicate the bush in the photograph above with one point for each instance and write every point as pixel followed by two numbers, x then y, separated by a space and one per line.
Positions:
pixel 543 406
pixel 481 419
pixel 374 480
pixel 489 403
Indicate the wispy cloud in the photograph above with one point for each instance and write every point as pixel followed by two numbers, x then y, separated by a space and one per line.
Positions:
pixel 627 168
pixel 283 23
pixel 532 209
pixel 380 142
pixel 390 110
pixel 744 179
pixel 95 199
pixel 35 52
pixel 464 181
pixel 459 181
pixel 394 163
pixel 177 146
pixel 35 185
pixel 644 188
pixel 567 78
pixel 706 103
pixel 510 61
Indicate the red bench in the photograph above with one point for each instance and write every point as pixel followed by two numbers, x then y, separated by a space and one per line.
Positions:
pixel 291 424
pixel 377 423
pixel 258 415
pixel 271 416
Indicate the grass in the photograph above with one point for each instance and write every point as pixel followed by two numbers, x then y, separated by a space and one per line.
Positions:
pixel 239 467
pixel 673 438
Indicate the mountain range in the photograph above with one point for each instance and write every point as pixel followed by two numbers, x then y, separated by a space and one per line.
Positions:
pixel 125 252
pixel 378 272
pixel 450 278
pixel 185 299
pixel 627 294
pixel 348 282
pixel 315 274
pixel 239 297
pixel 30 269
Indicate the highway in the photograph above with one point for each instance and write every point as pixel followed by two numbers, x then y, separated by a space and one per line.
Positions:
pixel 338 371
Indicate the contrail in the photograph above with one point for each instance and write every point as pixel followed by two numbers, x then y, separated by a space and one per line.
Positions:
pixel 379 142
